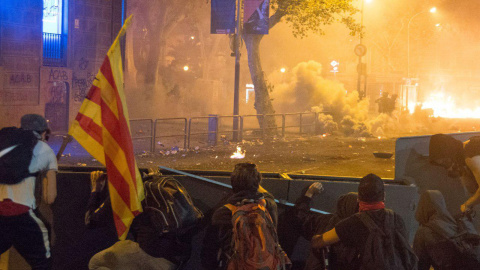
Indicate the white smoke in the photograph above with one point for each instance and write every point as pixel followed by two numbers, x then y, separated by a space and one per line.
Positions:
pixel 307 90
pixel 341 111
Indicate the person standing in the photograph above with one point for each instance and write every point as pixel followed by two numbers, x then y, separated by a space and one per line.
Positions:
pixel 21 225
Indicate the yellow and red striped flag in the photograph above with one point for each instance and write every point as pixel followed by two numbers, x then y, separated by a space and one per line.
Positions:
pixel 102 128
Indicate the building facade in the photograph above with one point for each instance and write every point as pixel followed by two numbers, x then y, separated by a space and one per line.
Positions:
pixel 50 52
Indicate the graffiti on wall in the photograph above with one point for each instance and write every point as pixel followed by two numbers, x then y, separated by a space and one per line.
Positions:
pixel 55 85
pixel 19 88
pixel 81 84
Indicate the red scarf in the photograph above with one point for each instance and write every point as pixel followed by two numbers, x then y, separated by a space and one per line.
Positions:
pixel 365 206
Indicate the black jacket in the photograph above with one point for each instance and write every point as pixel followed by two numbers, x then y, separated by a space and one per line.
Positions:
pixel 339 256
pixel 218 236
pixel 171 246
pixel 430 244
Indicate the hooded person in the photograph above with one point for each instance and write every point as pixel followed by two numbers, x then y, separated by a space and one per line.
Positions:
pixel 460 160
pixel 339 256
pixel 354 233
pixel 436 226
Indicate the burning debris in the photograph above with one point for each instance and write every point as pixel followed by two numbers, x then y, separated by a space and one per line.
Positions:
pixel 239 154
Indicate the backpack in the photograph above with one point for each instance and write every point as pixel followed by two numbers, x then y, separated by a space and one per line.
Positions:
pixel 466 243
pixel 386 250
pixel 16 151
pixel 170 206
pixel 254 241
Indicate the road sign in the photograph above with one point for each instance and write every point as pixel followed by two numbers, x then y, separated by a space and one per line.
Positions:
pixel 360 50
pixel 334 66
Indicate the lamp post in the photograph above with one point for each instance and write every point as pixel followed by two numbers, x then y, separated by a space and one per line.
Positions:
pixel 236 92
pixel 432 10
pixel 360 66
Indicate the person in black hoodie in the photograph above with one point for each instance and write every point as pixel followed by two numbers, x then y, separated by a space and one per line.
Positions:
pixel 436 225
pixel 352 232
pixel 245 180
pixel 339 256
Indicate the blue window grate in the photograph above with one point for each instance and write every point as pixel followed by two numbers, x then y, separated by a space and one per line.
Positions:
pixel 54 49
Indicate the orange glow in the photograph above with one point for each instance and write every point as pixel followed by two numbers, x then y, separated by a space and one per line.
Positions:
pixel 445 106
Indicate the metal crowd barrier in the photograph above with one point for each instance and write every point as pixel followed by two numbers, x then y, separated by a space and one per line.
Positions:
pixel 184 134
pixel 189 129
pixel 149 136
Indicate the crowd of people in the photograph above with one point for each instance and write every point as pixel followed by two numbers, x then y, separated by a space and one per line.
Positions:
pixel 360 234
pixel 242 232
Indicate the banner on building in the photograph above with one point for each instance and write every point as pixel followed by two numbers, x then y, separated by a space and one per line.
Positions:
pixel 223 17
pixel 256 16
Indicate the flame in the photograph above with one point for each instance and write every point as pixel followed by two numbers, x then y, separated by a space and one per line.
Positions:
pixel 445 106
pixel 239 154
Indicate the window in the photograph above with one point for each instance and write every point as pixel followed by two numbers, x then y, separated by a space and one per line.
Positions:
pixel 54 32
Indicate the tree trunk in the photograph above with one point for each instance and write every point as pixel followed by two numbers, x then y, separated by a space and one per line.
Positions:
pixel 263 103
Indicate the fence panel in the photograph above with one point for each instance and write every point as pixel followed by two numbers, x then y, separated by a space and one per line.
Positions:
pixel 250 126
pixel 225 127
pixel 142 134
pixel 170 132
pixel 199 132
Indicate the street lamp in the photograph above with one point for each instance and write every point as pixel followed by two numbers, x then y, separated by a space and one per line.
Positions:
pixel 362 50
pixel 432 10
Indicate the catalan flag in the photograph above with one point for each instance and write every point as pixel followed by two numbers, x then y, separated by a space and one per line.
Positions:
pixel 102 128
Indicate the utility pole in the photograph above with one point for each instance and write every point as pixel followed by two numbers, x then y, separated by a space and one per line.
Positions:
pixel 236 93
pixel 360 64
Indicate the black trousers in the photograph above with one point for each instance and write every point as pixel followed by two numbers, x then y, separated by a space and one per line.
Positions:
pixel 29 235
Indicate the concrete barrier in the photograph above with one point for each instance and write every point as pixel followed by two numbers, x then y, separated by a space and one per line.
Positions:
pixel 74 244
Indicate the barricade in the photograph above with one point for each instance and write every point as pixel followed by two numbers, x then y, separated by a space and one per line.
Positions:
pixel 75 244
pixel 142 130
pixel 176 122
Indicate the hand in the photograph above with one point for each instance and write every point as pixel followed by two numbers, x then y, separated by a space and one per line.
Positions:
pixel 96 184
pixel 314 188
pixel 316 240
pixel 464 208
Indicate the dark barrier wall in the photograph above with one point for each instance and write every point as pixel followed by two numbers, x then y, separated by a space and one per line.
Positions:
pixel 412 163
pixel 75 244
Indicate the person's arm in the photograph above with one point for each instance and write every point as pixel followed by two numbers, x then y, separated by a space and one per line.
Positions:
pixel 50 187
pixel 474 165
pixel 326 239
pixel 471 202
pixel 310 223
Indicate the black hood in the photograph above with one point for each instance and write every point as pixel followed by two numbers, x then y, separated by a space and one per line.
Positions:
pixel 432 212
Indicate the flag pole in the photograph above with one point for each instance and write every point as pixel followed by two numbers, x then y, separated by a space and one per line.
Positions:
pixel 66 139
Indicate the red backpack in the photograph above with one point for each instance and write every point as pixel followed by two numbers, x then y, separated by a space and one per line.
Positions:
pixel 254 240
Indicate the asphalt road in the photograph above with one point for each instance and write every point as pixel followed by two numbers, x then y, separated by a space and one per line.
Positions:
pixel 330 155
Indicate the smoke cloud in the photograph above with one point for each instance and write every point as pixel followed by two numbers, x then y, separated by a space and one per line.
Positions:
pixel 341 111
